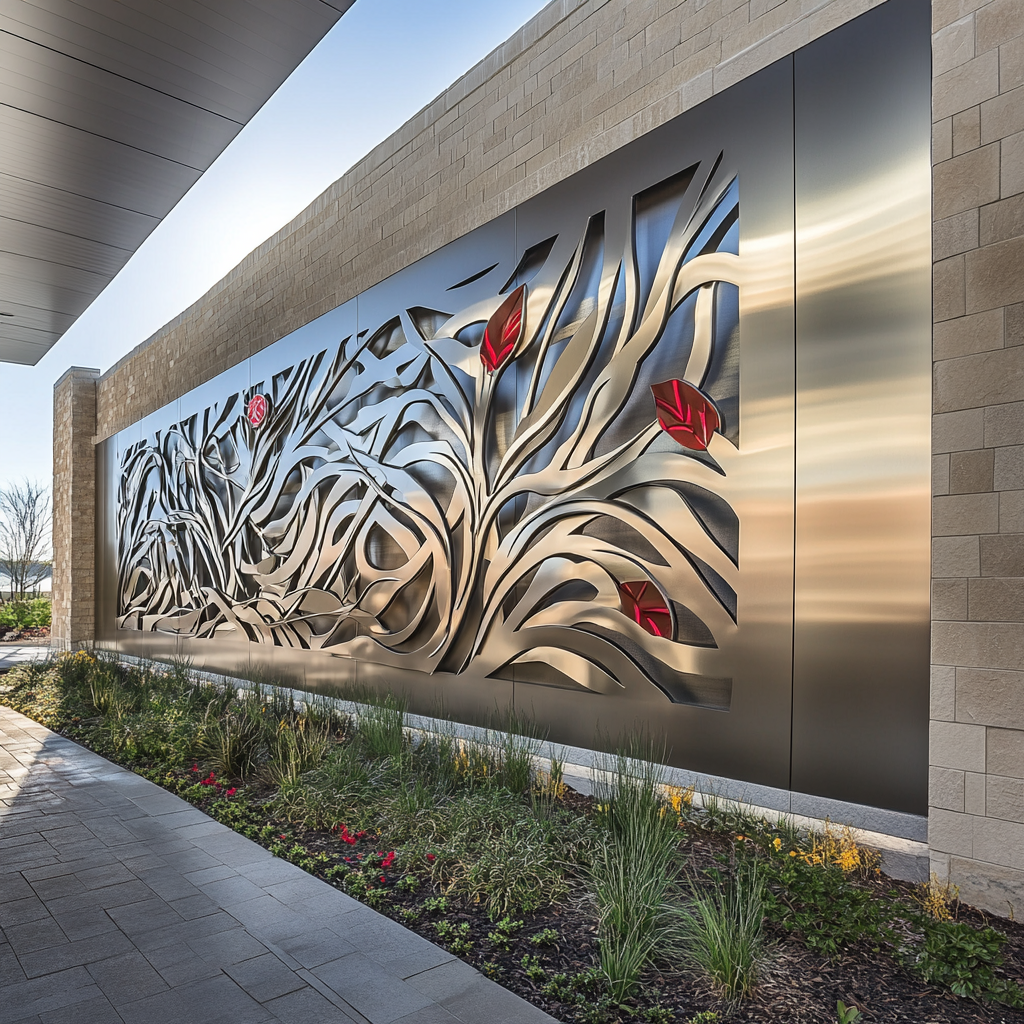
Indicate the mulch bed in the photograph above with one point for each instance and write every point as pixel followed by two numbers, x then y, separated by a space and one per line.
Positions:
pixel 799 986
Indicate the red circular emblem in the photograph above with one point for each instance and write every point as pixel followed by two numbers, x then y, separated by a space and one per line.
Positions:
pixel 257 411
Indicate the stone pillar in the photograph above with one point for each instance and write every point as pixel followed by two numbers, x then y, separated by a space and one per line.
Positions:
pixel 74 508
pixel 976 817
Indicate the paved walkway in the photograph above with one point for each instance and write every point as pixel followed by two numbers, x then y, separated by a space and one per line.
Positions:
pixel 121 902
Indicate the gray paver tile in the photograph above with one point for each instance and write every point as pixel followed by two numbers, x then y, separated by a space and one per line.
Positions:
pixel 375 993
pixel 268 917
pixel 37 995
pixel 313 948
pixel 307 1006
pixel 94 1011
pixel 74 954
pixel 212 924
pixel 192 907
pixel 227 891
pixel 432 1014
pixel 107 874
pixel 265 977
pixel 210 1001
pixel 147 916
pixel 10 968
pixel 42 934
pixel 126 977
pixel 227 948
pixel 60 885
pixel 178 965
pixel 31 908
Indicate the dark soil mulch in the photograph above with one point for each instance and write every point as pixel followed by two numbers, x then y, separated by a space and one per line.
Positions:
pixel 8 636
pixel 799 986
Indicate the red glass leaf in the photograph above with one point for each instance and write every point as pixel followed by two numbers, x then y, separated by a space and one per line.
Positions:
pixel 642 602
pixel 685 413
pixel 257 409
pixel 503 331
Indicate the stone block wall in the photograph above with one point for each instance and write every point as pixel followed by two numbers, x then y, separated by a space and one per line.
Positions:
pixel 976 821
pixel 74 508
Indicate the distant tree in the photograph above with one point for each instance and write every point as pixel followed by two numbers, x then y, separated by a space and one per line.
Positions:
pixel 24 536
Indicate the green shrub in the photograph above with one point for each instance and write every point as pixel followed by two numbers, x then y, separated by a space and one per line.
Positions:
pixel 25 614
pixel 720 932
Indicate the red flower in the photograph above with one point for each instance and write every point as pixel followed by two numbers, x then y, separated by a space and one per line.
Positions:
pixel 503 331
pixel 685 413
pixel 383 879
pixel 232 791
pixel 388 860
pixel 642 602
pixel 431 858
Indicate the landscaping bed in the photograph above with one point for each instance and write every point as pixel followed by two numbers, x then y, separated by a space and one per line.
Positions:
pixel 633 905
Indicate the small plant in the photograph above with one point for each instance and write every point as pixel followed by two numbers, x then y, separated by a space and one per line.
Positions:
pixel 504 933
pixel 492 970
pixel 705 1017
pixel 532 967
pixel 435 905
pixel 409 914
pixel 847 1014
pixel 721 933
pixel 658 1014
pixel 408 883
pixel 454 936
pixel 545 937
pixel 938 899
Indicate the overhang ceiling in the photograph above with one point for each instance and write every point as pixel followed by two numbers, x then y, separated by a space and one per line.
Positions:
pixel 109 112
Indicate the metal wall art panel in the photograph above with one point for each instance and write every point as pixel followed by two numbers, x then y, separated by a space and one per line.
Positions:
pixel 551 465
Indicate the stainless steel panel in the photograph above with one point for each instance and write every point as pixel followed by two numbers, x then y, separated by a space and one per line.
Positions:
pixel 107 473
pixel 863 309
pixel 474 490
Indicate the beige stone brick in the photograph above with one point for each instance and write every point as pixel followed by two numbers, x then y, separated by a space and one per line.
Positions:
pixel 946 788
pixel 998 645
pixel 988 378
pixel 1011 64
pixel 1014 324
pixel 1011 165
pixel 967 335
pixel 1008 469
pixel 945 12
pixel 997 22
pixel 942 140
pixel 965 514
pixel 950 832
pixel 958 431
pixel 966 130
pixel 943 693
pixel 940 474
pixel 1002 220
pixel 974 792
pixel 1002 116
pixel 957 745
pixel 990 697
pixel 1011 512
pixel 955 234
pixel 1004 798
pixel 998 842
pixel 1002 555
pixel 1004 425
pixel 953 45
pixel 971 472
pixel 1005 752
pixel 948 288
pixel 954 557
pixel 966 181
pixel 949 599
pixel 965 86
pixel 994 599
pixel 993 888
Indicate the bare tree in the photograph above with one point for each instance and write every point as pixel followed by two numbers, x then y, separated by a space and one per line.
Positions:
pixel 24 536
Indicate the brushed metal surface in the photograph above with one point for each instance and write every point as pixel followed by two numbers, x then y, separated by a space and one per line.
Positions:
pixel 863 314
pixel 520 525
pixel 108 115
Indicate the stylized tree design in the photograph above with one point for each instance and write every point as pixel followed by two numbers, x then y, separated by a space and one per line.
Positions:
pixel 502 489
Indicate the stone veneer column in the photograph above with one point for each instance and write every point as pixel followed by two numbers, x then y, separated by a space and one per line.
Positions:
pixel 976 818
pixel 74 508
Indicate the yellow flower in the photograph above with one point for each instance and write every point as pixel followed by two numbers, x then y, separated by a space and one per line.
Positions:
pixel 777 843
pixel 792 853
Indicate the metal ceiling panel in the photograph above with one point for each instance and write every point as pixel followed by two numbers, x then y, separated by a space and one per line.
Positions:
pixel 110 110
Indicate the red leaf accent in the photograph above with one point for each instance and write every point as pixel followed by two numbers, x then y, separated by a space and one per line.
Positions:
pixel 643 603
pixel 257 409
pixel 685 413
pixel 503 331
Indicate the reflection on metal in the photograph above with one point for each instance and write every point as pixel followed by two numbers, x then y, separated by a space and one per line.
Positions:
pixel 471 490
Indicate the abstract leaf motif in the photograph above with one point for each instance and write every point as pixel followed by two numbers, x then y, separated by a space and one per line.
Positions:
pixel 685 414
pixel 503 331
pixel 408 504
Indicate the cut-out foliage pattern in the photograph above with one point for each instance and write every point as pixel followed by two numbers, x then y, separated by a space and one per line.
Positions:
pixel 526 488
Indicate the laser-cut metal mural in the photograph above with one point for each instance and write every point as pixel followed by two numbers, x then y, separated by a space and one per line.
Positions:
pixel 498 489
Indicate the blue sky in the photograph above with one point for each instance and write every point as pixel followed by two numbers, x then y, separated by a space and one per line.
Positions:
pixel 383 61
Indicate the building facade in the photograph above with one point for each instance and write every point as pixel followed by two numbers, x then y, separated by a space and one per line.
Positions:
pixel 604 388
